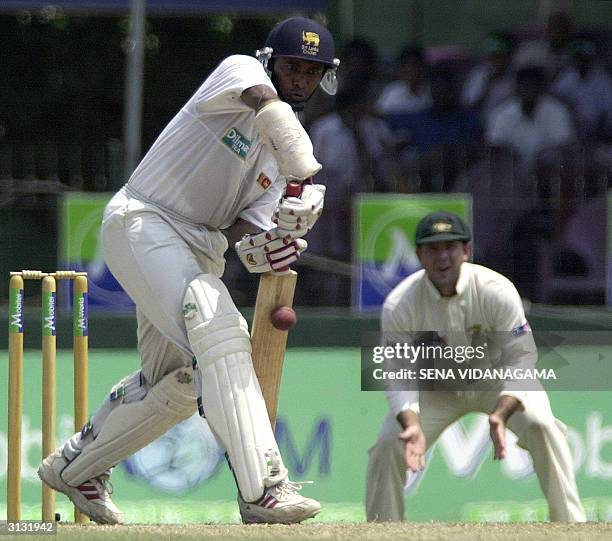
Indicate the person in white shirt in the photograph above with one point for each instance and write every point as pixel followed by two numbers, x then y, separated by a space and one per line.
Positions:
pixel 367 147
pixel 491 81
pixel 215 176
pixel 552 49
pixel 531 121
pixel 410 92
pixel 461 303
pixel 587 88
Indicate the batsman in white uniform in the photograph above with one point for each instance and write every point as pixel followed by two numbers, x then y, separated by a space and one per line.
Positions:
pixel 460 302
pixel 215 175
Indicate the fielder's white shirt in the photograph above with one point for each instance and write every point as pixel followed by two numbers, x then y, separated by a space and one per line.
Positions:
pixel 209 165
pixel 485 302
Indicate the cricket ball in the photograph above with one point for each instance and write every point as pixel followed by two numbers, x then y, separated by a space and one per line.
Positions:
pixel 283 318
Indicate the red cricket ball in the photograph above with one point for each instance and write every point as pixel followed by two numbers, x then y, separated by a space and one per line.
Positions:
pixel 283 318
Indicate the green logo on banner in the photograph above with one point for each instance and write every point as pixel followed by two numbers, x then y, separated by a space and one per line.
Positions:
pixel 48 313
pixel 237 143
pixel 387 225
pixel 385 249
pixel 81 218
pixel 16 310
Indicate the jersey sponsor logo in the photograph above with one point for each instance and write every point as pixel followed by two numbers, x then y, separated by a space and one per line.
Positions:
pixel 264 181
pixel 237 143
pixel 310 43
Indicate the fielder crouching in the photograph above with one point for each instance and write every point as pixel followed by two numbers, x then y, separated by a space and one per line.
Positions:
pixel 461 302
pixel 214 176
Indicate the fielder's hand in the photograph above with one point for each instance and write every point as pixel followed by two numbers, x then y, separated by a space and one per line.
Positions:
pixel 267 251
pixel 295 216
pixel 505 407
pixel 497 429
pixel 414 447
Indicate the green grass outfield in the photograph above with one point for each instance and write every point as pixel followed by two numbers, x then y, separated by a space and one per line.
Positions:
pixel 341 531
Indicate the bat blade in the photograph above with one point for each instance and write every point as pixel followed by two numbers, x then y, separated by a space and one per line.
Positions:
pixel 269 343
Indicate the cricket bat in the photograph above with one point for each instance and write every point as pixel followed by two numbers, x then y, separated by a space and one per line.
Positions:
pixel 269 343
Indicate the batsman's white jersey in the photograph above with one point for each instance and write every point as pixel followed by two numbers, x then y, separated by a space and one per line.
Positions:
pixel 485 302
pixel 209 166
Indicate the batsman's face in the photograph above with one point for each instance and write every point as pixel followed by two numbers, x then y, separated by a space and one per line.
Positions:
pixel 297 79
pixel 442 263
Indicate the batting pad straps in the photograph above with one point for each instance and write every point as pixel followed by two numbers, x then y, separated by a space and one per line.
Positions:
pixel 214 326
pixel 130 426
pixel 132 388
pixel 287 140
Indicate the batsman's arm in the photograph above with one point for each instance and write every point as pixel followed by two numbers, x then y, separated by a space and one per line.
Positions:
pixel 239 229
pixel 282 133
pixel 258 96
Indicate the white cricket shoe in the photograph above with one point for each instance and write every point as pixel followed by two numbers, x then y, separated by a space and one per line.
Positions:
pixel 280 504
pixel 92 497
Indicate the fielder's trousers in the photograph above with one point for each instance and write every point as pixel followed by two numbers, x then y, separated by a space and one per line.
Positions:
pixel 537 430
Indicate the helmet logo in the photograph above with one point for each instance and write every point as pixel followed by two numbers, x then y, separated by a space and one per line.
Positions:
pixel 310 43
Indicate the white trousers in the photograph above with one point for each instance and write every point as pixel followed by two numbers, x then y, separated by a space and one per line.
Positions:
pixel 154 257
pixel 538 432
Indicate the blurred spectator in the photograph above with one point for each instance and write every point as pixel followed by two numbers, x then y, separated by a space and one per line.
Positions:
pixel 353 146
pixel 358 68
pixel 491 81
pixel 552 52
pixel 440 138
pixel 531 121
pixel 409 93
pixel 356 150
pixel 587 88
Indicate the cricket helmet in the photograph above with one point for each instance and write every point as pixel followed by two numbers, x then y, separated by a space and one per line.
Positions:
pixel 303 38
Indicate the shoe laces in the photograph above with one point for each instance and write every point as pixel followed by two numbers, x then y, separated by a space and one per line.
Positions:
pixel 105 487
pixel 286 488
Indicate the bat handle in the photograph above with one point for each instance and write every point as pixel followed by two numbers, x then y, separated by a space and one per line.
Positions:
pixel 294 187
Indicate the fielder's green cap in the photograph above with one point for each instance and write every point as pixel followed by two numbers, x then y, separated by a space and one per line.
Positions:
pixel 440 226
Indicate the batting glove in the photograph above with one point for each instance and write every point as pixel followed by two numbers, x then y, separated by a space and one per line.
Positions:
pixel 295 216
pixel 267 251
